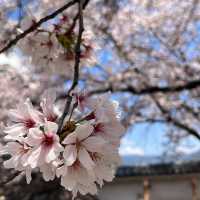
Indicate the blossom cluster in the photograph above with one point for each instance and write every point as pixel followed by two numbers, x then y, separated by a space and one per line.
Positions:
pixel 84 154
pixel 55 45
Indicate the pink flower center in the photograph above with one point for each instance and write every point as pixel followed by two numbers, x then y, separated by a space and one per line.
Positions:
pixel 51 118
pixel 29 123
pixel 48 140
pixel 98 128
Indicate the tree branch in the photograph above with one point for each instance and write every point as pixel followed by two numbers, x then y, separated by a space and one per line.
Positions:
pixel 76 68
pixel 175 122
pixel 149 89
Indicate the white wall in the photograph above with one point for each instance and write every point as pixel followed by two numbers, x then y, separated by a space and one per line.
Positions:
pixel 176 188
pixel 123 190
pixel 171 190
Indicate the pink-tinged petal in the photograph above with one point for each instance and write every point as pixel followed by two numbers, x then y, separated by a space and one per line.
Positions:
pixel 85 159
pixel 35 137
pixel 23 109
pixel 56 138
pixel 61 171
pixel 50 127
pixel 25 157
pixel 74 191
pixel 68 183
pixel 84 189
pixel 12 148
pixel 104 172
pixel 28 175
pixel 69 180
pixel 15 116
pixel 70 139
pixel 8 164
pixel 58 148
pixel 36 116
pixel 34 159
pixel 85 176
pixel 49 97
pixel 70 154
pixel 14 137
pixel 114 128
pixel 16 129
pixel 36 133
pixel 83 131
pixel 32 112
pixel 16 160
pixel 48 172
pixel 94 144
pixel 50 155
pixel 47 104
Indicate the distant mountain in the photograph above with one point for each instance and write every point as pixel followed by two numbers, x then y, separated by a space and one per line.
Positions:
pixel 135 160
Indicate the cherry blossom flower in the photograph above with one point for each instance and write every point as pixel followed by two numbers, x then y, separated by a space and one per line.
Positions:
pixel 110 131
pixel 23 118
pixel 76 178
pixel 45 143
pixel 83 155
pixel 80 144
pixel 104 109
pixel 88 158
pixel 19 152
pixel 105 115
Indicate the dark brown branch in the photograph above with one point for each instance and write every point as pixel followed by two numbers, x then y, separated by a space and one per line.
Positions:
pixel 36 25
pixel 191 110
pixel 188 129
pixel 76 68
pixel 150 89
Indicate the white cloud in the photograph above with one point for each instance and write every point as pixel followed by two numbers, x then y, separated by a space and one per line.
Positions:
pixel 128 147
pixel 128 150
pixel 10 59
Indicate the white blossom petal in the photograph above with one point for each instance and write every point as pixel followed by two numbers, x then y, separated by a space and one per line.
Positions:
pixel 70 139
pixel 85 159
pixel 70 154
pixel 28 175
pixel 35 137
pixel 48 172
pixel 51 127
pixel 15 129
pixel 83 131
pixel 94 144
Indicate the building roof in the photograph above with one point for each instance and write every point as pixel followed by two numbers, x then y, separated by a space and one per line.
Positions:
pixel 159 169
pixel 171 167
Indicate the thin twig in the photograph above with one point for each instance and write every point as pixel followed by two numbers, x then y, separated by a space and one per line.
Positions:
pixel 36 25
pixel 76 68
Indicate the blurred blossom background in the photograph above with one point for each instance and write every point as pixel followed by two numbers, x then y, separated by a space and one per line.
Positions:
pixel 146 54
